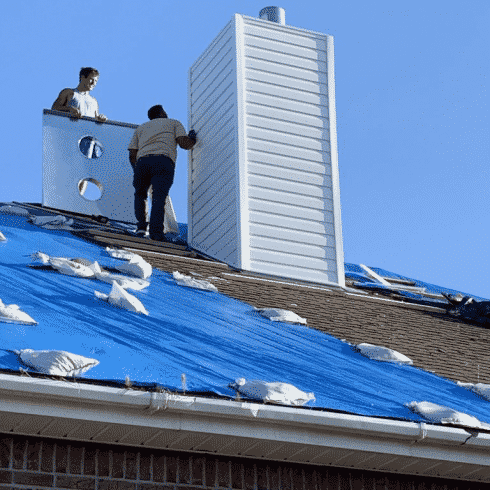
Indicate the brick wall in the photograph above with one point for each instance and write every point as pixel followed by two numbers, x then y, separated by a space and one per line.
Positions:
pixel 41 463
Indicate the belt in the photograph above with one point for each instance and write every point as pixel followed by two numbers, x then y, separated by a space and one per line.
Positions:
pixel 157 155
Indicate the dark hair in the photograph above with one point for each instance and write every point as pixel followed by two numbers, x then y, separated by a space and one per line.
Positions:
pixel 156 111
pixel 85 72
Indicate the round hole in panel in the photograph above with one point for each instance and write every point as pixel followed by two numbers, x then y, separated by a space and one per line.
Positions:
pixel 90 189
pixel 91 147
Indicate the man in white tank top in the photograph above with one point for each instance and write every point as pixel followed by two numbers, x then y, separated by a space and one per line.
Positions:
pixel 78 102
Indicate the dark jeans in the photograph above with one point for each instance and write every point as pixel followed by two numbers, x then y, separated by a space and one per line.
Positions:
pixel 157 171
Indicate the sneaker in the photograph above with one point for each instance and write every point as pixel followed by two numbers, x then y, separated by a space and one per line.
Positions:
pixel 141 233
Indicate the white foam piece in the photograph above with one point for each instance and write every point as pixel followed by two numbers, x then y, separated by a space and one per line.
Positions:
pixel 14 210
pixel 279 315
pixel 443 415
pixel 2 237
pixel 57 362
pixel 190 282
pixel 136 266
pixel 122 299
pixel 384 354
pixel 13 314
pixel 479 388
pixel 273 392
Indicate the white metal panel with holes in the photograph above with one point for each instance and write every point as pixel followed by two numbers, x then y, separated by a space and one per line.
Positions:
pixel 66 166
pixel 263 178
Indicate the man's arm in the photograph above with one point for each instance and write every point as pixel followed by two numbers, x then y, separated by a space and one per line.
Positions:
pixel 187 142
pixel 60 104
pixel 100 117
pixel 132 157
pixel 133 148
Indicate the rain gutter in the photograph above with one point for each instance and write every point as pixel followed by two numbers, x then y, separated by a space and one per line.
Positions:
pixel 287 427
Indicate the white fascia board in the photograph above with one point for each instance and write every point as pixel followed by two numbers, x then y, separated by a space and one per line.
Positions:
pixel 288 427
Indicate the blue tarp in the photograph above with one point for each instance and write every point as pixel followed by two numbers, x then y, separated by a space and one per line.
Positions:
pixel 210 337
pixel 354 271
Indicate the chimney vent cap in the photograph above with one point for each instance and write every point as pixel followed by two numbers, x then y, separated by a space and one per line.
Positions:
pixel 273 14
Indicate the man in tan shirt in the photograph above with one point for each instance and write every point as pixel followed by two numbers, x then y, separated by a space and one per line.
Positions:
pixel 152 153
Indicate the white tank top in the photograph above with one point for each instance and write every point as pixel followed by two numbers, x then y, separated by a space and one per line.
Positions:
pixel 85 103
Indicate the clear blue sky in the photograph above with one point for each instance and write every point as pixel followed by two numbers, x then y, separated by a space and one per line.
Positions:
pixel 412 109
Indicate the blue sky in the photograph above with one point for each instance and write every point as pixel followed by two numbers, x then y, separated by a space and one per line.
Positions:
pixel 412 109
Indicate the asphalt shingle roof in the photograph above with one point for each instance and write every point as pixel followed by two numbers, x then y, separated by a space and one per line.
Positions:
pixel 215 338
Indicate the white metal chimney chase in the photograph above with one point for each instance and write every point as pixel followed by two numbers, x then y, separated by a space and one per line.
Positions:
pixel 263 179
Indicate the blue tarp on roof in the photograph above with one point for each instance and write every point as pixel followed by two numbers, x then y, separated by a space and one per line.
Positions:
pixel 210 337
pixel 354 271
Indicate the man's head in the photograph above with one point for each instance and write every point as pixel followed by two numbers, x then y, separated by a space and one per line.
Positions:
pixel 156 111
pixel 85 72
pixel 88 78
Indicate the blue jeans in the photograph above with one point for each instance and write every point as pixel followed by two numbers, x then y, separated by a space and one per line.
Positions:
pixel 157 171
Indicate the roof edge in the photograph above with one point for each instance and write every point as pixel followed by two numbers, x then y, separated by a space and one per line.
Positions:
pixel 66 409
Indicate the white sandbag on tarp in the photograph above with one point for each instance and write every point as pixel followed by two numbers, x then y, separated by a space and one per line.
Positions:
pixel 275 392
pixel 120 254
pixel 483 390
pixel 71 268
pixel 443 415
pixel 41 257
pixel 122 299
pixel 77 267
pixel 2 237
pixel 278 315
pixel 190 282
pixel 13 314
pixel 56 362
pixel 14 210
pixel 125 282
pixel 383 354
pixel 137 266
pixel 58 222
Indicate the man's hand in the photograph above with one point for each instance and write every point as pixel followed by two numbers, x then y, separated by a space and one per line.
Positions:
pixel 187 142
pixel 101 118
pixel 74 112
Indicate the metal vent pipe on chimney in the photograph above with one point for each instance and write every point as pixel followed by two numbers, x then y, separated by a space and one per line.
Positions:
pixel 273 14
